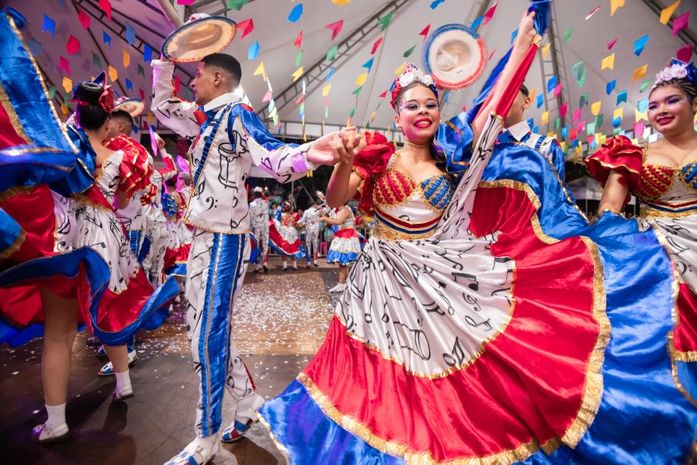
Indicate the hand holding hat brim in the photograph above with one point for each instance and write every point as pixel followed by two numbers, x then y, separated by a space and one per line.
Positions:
pixel 196 39
pixel 133 106
pixel 455 56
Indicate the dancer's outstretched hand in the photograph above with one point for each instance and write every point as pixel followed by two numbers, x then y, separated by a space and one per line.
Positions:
pixel 334 147
pixel 347 145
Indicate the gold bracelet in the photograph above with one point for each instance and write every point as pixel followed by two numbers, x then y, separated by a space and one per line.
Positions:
pixel 358 173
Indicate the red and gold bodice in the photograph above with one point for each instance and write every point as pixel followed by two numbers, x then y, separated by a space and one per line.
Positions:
pixel 663 190
pixel 408 209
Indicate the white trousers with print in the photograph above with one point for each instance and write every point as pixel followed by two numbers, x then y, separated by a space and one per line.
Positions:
pixel 215 271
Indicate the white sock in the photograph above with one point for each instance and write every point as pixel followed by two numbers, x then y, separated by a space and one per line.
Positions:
pixel 123 381
pixel 56 415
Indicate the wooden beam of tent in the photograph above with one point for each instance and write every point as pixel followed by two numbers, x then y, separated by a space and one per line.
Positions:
pixel 314 74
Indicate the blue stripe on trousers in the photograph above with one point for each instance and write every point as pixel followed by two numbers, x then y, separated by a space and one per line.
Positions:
pixel 227 257
pixel 135 238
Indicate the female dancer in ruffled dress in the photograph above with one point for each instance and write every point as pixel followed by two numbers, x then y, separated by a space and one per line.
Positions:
pixel 345 248
pixel 664 177
pixel 156 222
pixel 62 272
pixel 486 322
pixel 284 238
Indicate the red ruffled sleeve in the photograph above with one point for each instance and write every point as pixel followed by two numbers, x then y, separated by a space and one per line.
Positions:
pixel 170 169
pixel 617 154
pixel 135 169
pixel 369 163
pixel 149 195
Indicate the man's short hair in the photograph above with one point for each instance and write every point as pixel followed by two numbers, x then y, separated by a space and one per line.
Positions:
pixel 123 115
pixel 225 62
pixel 524 90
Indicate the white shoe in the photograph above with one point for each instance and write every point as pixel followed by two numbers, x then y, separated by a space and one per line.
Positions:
pixel 44 434
pixel 243 420
pixel 338 288
pixel 108 368
pixel 196 454
pixel 250 413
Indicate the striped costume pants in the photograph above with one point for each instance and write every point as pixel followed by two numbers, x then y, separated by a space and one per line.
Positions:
pixel 215 271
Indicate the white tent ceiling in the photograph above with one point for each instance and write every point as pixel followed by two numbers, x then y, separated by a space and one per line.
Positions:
pixel 276 35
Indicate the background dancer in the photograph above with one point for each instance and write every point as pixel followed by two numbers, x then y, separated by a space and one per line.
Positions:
pixel 311 222
pixel 519 129
pixel 345 247
pixel 259 211
pixel 284 236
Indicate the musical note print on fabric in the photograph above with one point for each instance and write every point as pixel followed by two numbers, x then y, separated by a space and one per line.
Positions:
pixel 430 305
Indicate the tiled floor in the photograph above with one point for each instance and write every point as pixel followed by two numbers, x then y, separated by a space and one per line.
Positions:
pixel 280 322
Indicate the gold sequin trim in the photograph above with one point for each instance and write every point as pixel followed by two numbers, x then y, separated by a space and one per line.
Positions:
pixel 692 460
pixel 648 212
pixel 88 201
pixel 675 314
pixel 43 86
pixel 397 449
pixel 592 391
pixel 535 220
pixel 21 151
pixel 689 356
pixel 658 185
pixel 384 232
pixel 357 173
pixel 281 448
pixel 13 191
pixel 15 245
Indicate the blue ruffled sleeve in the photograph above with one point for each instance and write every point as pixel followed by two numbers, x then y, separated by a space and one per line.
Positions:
pixel 453 144
pixel 81 177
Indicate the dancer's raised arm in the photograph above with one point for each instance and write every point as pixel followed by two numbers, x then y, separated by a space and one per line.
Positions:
pixel 527 36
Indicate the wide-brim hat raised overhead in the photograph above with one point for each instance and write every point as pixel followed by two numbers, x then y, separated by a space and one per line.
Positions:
pixel 133 106
pixel 455 56
pixel 201 36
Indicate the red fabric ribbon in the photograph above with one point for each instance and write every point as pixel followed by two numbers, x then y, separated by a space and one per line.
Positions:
pixel 135 169
pixel 369 163
pixel 106 100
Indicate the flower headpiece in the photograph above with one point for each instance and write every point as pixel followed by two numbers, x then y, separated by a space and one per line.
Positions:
pixel 411 74
pixel 676 70
pixel 106 100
